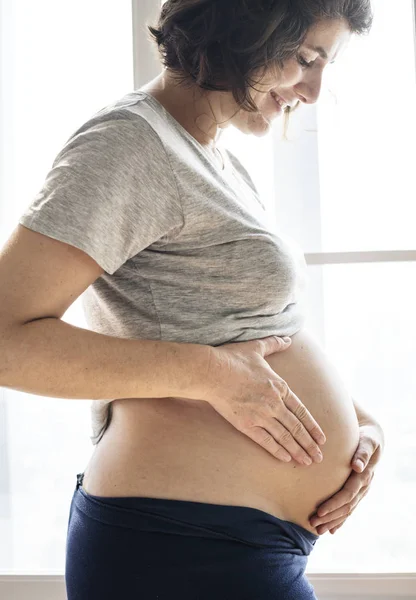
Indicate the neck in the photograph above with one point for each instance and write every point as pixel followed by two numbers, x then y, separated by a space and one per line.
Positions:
pixel 197 110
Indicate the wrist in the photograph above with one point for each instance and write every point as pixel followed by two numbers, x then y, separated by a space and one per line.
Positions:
pixel 191 366
pixel 364 418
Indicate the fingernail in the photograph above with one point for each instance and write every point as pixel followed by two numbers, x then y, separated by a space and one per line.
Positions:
pixel 307 460
pixel 359 464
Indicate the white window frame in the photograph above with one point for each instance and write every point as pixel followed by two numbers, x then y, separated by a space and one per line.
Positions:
pixel 334 586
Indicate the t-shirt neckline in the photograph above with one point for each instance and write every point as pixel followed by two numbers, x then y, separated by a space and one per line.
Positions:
pixel 186 133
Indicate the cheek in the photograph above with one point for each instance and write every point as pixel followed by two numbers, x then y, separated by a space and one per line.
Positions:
pixel 292 73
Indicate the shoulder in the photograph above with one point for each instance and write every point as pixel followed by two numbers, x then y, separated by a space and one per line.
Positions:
pixel 120 128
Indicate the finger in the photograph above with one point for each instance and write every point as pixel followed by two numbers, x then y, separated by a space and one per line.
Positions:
pixel 335 529
pixel 285 438
pixel 364 453
pixel 345 495
pixel 338 522
pixel 359 465
pixel 268 442
pixel 294 436
pixel 345 510
pixel 302 413
pixel 324 528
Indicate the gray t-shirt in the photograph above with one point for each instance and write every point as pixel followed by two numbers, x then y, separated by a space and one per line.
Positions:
pixel 189 252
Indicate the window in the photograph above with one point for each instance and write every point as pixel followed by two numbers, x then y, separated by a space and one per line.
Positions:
pixel 63 62
pixel 344 189
pixel 352 211
pixel 343 184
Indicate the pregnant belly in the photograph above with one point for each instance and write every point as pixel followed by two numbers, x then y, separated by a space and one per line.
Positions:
pixel 183 449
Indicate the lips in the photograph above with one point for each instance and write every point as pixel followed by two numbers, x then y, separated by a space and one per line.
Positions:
pixel 281 101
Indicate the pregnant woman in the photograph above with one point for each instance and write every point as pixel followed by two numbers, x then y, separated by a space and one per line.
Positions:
pixel 199 486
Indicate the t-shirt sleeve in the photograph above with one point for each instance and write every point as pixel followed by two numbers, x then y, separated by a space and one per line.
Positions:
pixel 111 192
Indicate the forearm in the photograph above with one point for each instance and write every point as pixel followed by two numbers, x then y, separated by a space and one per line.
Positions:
pixel 49 357
pixel 364 418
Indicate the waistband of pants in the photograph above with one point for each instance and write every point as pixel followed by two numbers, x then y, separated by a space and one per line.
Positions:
pixel 184 517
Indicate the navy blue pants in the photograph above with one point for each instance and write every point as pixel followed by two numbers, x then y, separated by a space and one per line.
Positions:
pixel 140 548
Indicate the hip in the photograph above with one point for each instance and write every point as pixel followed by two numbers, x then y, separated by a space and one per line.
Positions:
pixel 158 548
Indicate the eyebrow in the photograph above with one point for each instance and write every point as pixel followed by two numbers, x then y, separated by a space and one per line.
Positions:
pixel 319 50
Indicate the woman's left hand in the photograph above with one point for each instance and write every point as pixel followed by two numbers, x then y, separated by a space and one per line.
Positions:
pixel 332 514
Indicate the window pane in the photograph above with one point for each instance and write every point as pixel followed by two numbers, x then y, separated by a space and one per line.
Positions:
pixel 369 333
pixel 366 138
pixel 256 155
pixel 64 62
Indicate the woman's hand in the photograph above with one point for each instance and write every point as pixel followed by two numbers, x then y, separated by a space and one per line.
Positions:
pixel 332 514
pixel 241 386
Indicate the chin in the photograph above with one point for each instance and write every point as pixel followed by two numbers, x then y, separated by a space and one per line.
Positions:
pixel 257 132
pixel 263 128
pixel 259 126
pixel 259 129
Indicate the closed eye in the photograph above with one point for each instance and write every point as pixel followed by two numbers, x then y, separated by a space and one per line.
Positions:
pixel 303 62
pixel 307 65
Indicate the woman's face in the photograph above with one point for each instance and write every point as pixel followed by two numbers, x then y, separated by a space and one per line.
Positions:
pixel 299 81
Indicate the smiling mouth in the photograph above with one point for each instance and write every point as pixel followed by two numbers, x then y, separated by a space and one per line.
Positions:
pixel 279 101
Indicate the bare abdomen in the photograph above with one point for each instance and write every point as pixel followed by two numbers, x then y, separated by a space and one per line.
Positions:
pixel 185 450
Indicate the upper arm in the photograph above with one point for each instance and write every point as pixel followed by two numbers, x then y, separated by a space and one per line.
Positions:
pixel 109 194
pixel 41 277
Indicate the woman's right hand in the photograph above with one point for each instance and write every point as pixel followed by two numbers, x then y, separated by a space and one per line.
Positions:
pixel 242 387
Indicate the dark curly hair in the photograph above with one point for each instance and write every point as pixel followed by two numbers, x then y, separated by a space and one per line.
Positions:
pixel 222 44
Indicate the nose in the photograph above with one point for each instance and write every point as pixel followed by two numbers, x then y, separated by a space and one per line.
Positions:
pixel 309 90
